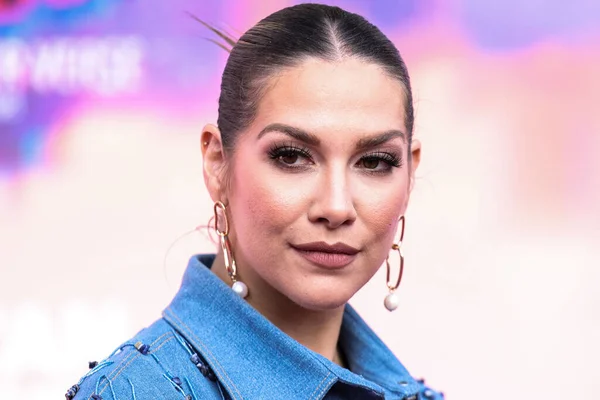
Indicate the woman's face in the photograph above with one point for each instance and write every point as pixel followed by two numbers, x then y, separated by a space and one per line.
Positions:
pixel 319 181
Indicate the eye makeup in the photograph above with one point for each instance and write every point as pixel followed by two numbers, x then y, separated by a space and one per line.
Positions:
pixel 294 157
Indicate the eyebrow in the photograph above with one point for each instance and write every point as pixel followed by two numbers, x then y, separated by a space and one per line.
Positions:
pixel 296 133
pixel 379 139
pixel 310 139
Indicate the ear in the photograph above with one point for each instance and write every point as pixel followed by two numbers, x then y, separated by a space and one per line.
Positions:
pixel 415 161
pixel 213 159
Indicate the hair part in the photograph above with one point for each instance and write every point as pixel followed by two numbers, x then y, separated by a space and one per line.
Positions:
pixel 285 39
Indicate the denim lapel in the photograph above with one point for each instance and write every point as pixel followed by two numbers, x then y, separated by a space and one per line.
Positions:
pixel 253 359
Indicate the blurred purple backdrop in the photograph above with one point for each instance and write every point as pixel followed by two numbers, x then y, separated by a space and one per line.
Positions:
pixel 101 106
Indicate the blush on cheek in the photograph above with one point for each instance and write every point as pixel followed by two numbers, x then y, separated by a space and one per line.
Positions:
pixel 380 205
pixel 381 216
pixel 259 204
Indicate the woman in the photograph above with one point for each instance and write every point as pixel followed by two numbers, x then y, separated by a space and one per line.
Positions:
pixel 310 166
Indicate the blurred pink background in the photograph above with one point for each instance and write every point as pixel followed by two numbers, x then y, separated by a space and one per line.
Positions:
pixel 101 106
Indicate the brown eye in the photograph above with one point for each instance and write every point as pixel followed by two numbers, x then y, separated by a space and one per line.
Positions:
pixel 370 163
pixel 289 159
pixel 379 162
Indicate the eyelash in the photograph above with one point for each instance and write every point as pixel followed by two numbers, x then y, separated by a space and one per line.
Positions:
pixel 391 159
pixel 277 151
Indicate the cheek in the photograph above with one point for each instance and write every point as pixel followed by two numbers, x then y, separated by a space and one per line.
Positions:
pixel 380 207
pixel 267 203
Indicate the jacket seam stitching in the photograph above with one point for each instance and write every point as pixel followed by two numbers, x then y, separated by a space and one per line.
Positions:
pixel 125 363
pixel 132 360
pixel 320 393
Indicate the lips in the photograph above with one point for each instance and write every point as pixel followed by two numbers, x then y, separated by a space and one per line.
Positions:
pixel 330 256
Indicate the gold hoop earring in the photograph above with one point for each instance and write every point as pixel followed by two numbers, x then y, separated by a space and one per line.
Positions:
pixel 238 287
pixel 392 301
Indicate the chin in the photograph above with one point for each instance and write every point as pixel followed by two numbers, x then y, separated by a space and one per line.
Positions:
pixel 321 304
pixel 322 299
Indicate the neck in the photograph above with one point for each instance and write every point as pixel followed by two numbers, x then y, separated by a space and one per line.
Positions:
pixel 317 330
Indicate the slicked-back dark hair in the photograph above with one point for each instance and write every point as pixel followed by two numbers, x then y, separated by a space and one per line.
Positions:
pixel 285 39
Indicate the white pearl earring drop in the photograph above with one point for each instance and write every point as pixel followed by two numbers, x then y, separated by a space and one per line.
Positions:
pixel 391 301
pixel 240 289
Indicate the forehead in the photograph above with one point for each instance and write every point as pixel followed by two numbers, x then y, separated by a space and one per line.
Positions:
pixel 350 95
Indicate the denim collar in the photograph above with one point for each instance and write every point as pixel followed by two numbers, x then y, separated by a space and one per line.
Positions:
pixel 254 359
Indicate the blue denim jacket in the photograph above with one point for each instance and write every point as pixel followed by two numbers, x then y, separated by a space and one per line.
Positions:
pixel 211 344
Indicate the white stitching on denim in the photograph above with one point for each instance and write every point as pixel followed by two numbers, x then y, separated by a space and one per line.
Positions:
pixel 125 363
pixel 318 386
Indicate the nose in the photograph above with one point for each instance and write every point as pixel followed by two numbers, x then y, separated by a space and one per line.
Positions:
pixel 333 204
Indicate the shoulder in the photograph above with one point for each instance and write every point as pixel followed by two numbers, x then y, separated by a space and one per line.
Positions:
pixel 155 364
